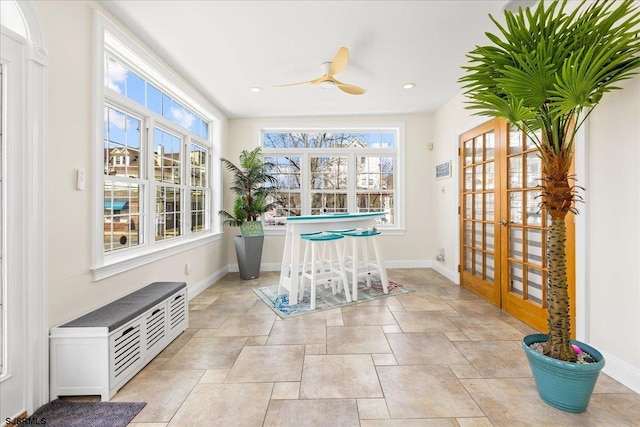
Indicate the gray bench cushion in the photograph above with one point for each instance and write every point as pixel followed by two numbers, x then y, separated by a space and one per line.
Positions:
pixel 119 312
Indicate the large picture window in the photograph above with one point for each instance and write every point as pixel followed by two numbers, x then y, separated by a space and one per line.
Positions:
pixel 158 143
pixel 331 170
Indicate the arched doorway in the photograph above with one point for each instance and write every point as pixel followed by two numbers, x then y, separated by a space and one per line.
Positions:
pixel 23 279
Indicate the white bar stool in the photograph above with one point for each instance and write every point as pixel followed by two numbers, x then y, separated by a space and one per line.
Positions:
pixel 315 274
pixel 365 267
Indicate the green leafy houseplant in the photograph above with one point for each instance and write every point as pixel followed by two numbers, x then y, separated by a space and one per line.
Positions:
pixel 253 186
pixel 545 72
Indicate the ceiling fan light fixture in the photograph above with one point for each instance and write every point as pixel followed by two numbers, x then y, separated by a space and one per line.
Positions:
pixel 408 86
pixel 327 84
pixel 255 89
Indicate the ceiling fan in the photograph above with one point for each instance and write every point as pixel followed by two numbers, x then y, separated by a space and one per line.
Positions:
pixel 330 69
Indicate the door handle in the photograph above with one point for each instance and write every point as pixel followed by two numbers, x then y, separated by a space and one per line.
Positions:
pixel 503 222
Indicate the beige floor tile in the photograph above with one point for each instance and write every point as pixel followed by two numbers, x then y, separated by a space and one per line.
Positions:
pixel 339 376
pixel 214 376
pixel 207 319
pixel 515 401
pixel 392 329
pixel 178 343
pixel 426 422
pixel 424 321
pixel 373 409
pixel 475 307
pixel 315 349
pixel 267 364
pixel 425 392
pixel 163 391
pixel 312 413
pixel 147 425
pixel 474 422
pixel 424 349
pixel 496 359
pixel 486 328
pixel 367 315
pixel 207 353
pixel 246 325
pixel 465 371
pixel 384 359
pixel 259 340
pixel 356 339
pixel 223 405
pixel 423 302
pixel 298 331
pixel 456 336
pixel 286 390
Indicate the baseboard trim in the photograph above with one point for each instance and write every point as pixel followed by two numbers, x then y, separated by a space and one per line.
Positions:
pixel 452 275
pixel 621 371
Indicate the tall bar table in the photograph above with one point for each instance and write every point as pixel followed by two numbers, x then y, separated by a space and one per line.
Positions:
pixel 296 225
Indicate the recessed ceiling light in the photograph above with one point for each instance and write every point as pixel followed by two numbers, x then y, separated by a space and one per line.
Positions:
pixel 408 86
pixel 256 89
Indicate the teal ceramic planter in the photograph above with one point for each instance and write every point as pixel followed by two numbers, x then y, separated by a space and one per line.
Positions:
pixel 563 385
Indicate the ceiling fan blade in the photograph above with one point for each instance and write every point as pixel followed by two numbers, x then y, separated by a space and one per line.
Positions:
pixel 312 82
pixel 339 61
pixel 350 89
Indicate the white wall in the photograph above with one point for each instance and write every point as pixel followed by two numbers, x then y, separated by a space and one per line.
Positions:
pixel 613 230
pixel 69 30
pixel 413 249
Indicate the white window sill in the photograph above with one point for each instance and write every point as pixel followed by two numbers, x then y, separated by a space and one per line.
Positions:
pixel 121 262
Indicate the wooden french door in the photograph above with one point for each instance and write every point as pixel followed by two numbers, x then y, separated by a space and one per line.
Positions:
pixel 503 230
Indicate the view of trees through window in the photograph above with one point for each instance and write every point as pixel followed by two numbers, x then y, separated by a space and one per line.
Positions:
pixel 332 172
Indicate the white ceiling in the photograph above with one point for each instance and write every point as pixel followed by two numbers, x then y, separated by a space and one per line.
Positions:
pixel 225 47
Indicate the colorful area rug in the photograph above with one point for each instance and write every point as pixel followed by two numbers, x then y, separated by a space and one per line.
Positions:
pixel 63 413
pixel 325 300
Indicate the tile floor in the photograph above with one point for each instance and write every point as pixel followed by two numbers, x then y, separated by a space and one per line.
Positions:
pixel 437 357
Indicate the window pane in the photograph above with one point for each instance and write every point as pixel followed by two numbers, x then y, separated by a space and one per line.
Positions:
pixel 154 99
pixel 167 157
pixel 167 212
pixel 135 88
pixel 121 144
pixel 198 156
pixel 116 76
pixel 121 216
pixel 198 210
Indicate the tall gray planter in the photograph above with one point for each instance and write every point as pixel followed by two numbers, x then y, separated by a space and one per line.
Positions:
pixel 249 253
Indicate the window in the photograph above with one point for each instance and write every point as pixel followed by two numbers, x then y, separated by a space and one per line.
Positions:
pixel 334 170
pixel 158 149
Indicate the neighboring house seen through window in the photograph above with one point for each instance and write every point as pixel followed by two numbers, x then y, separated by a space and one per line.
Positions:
pixel 334 171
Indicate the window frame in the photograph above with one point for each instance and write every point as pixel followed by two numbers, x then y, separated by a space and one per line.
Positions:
pixel 142 61
pixel 260 128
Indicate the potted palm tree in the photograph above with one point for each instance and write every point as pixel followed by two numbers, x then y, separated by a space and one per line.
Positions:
pixel 254 188
pixel 545 72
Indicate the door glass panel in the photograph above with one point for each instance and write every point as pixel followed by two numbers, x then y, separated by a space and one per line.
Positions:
pixel 489 236
pixel 534 215
pixel 515 172
pixel 534 285
pixel 467 233
pixel 468 152
pixel 468 205
pixel 477 263
pixel 515 242
pixel 477 156
pixel 489 176
pixel 515 140
pixel 477 177
pixel 531 141
pixel 534 246
pixel 489 206
pixel 478 235
pixel 489 272
pixel 515 271
pixel 477 207
pixel 534 169
pixel 468 179
pixel 489 145
pixel 515 207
